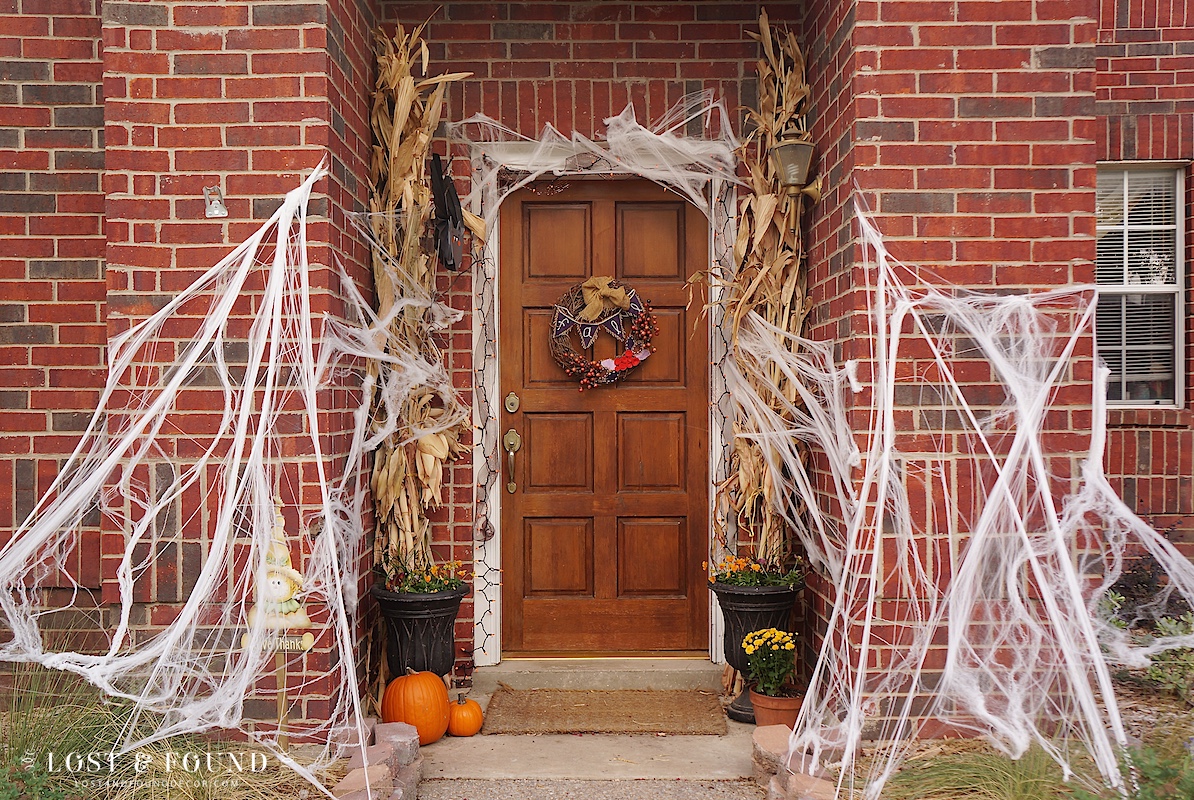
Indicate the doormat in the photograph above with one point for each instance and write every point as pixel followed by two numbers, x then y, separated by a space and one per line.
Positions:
pixel 591 711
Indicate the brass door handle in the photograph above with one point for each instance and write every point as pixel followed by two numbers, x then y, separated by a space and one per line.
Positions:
pixel 512 442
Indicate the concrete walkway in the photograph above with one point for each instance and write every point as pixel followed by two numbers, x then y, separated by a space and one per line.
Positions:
pixel 531 789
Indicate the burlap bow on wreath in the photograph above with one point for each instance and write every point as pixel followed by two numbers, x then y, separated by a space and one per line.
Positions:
pixel 601 303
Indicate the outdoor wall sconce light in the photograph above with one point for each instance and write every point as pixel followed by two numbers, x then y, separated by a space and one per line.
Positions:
pixel 215 202
pixel 791 159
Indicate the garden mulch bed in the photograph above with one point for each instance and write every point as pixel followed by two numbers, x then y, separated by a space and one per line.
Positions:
pixel 1150 713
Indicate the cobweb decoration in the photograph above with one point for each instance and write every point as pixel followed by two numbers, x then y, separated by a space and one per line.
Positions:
pixel 215 406
pixel 965 560
pixel 690 150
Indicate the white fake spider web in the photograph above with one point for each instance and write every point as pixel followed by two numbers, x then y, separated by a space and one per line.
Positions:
pixel 964 557
pixel 216 407
pixel 1008 603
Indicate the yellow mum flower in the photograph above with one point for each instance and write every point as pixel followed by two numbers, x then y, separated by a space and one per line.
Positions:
pixel 789 646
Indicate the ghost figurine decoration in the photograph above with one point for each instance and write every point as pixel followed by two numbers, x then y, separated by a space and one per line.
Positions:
pixel 279 584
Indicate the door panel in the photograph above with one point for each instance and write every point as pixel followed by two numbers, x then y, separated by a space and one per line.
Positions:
pixel 652 240
pixel 603 539
pixel 662 434
pixel 668 364
pixel 559 452
pixel 561 236
pixel 540 367
pixel 559 557
pixel 650 555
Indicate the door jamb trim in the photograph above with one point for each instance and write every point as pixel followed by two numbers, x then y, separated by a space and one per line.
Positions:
pixel 487 615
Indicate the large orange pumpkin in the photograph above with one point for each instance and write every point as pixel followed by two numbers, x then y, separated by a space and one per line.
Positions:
pixel 464 717
pixel 419 699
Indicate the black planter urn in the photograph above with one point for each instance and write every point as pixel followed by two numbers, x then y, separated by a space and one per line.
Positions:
pixel 419 629
pixel 746 609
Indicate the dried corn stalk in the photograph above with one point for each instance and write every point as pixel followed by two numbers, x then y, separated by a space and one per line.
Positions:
pixel 771 281
pixel 408 467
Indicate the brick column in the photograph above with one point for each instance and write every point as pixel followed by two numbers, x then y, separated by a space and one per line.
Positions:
pixel 246 96
pixel 829 36
pixel 970 131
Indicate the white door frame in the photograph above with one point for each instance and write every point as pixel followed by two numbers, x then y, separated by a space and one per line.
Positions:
pixel 487 603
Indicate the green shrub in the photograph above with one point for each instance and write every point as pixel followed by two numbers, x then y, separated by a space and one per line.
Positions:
pixel 28 783
pixel 1110 606
pixel 1151 774
pixel 1174 669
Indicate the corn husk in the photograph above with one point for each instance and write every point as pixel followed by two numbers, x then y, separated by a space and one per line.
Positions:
pixel 771 280
pixel 408 469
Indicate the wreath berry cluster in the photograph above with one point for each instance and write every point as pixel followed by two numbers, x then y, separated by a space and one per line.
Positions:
pixel 633 326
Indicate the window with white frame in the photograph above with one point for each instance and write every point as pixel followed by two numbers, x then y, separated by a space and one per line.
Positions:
pixel 1139 270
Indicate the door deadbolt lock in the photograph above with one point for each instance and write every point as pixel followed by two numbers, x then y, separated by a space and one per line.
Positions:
pixel 511 402
pixel 512 442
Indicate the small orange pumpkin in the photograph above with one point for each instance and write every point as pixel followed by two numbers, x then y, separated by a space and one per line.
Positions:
pixel 464 717
pixel 419 699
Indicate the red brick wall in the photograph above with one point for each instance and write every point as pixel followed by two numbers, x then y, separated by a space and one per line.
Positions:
pixel 1145 80
pixel 975 146
pixel 244 95
pixel 571 64
pixel 976 136
pixel 969 129
pixel 1145 102
pixel 52 295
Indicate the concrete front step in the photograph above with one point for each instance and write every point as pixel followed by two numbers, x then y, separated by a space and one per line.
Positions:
pixel 599 673
pixel 592 757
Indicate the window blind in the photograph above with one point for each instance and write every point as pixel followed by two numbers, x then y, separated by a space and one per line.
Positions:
pixel 1138 268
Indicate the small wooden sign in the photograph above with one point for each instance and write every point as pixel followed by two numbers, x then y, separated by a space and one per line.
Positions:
pixel 285 643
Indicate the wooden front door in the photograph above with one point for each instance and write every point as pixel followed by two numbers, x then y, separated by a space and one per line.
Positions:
pixel 603 539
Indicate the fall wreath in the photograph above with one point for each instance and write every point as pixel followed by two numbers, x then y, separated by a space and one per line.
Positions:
pixel 601 303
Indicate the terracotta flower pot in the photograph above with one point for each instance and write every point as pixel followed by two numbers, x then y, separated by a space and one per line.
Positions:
pixel 775 710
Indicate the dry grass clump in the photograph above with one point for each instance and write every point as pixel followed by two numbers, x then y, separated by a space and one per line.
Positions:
pixel 49 716
pixel 979 774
